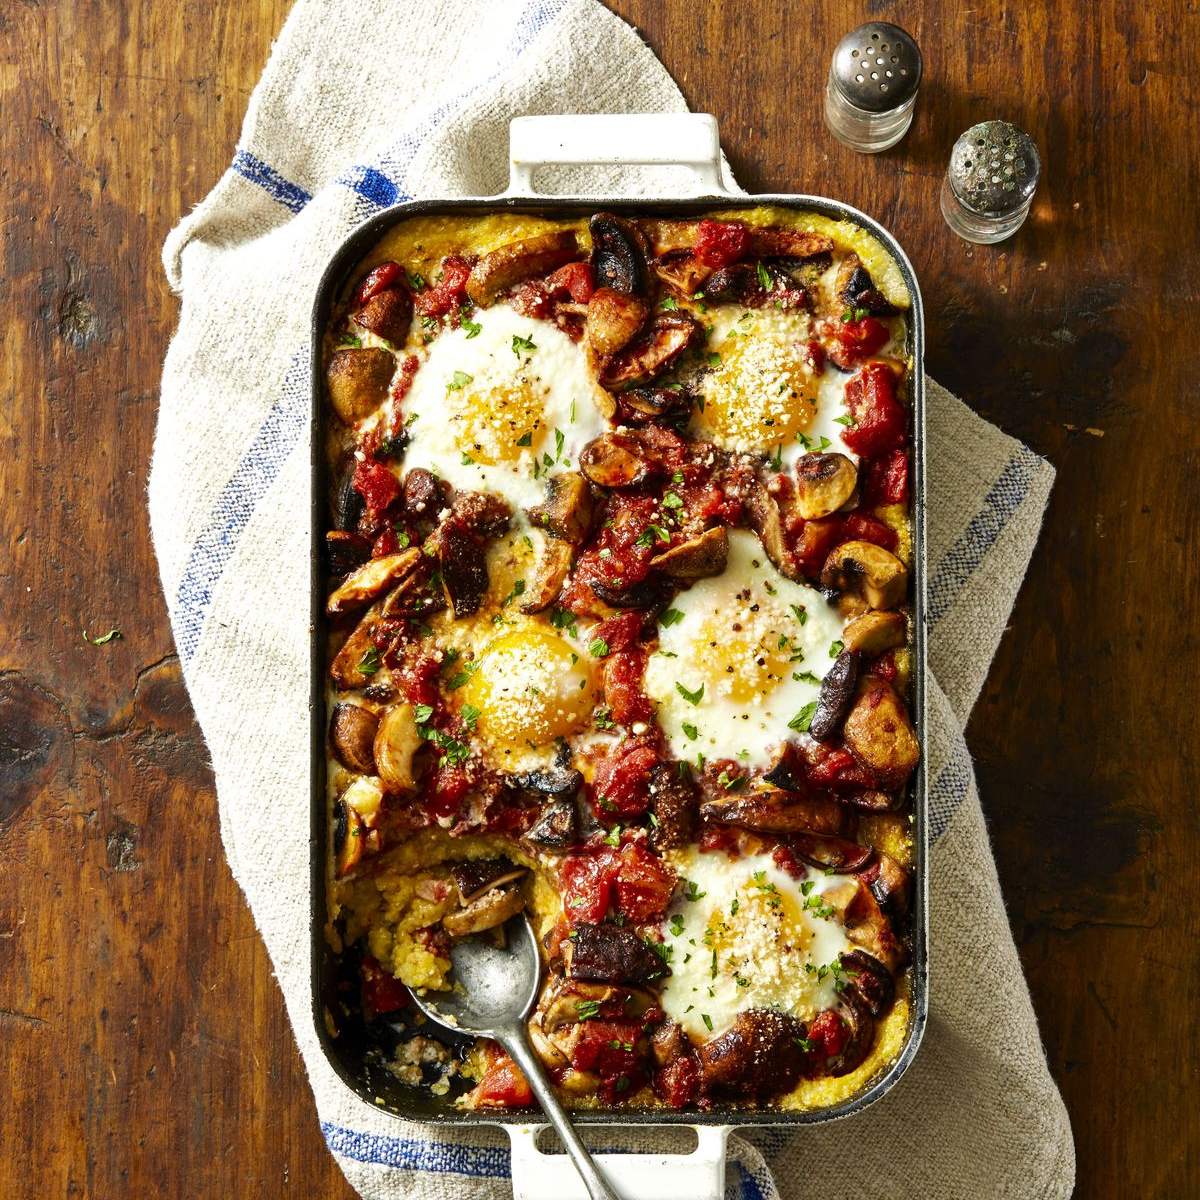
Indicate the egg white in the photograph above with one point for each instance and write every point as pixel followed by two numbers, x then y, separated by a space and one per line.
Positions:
pixel 769 937
pixel 476 399
pixel 727 641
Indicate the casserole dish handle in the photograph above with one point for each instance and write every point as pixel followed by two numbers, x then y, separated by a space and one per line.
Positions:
pixel 619 139
pixel 699 1175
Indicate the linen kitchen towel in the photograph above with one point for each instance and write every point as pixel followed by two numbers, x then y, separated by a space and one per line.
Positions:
pixel 364 105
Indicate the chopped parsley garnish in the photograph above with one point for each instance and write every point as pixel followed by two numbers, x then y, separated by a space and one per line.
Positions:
pixel 671 617
pixel 731 783
pixel 677 924
pixel 348 339
pixel 806 677
pixel 423 713
pixel 467 460
pixel 458 381
pixel 585 1010
pixel 847 420
pixel 800 613
pixel 764 277
pixel 714 359
pixel 603 719
pixel 563 618
pixel 473 328
pixel 526 439
pixel 671 500
pixel 734 907
pixel 469 714
pixel 803 719
pixel 707 1021
pixel 416 280
pixel 613 836
pixel 559 439
pixel 456 681
pixel 776 459
pixel 836 647
pixel 649 534
pixel 691 891
pixel 369 663
pixel 402 539
pixel 520 344
pixel 598 648
pixel 669 303
pixel 691 697
pixel 518 589
pixel 691 731
pixel 115 634
pixel 853 314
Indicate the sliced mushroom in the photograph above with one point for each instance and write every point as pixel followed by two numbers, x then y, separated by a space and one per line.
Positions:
pixel 683 271
pixel 760 1054
pixel 654 403
pixel 618 254
pixel 422 495
pixel 387 315
pixel 559 780
pixel 568 509
pixel 346 670
pixel 565 1003
pixel 396 742
pixel 776 812
pixel 824 482
pixel 492 908
pixel 867 926
pixel 697 558
pixel 615 460
pixel 875 632
pixel 610 954
pixel 890 887
pixel 552 1057
pixel 837 691
pixel 668 1042
pixel 832 854
pixel 549 575
pixel 766 519
pixel 557 827
pixel 859 1025
pixel 613 320
pixel 751 285
pixel 880 735
pixel 777 241
pixel 351 736
pixel 358 379
pixel 347 503
pixel 871 800
pixel 674 807
pixel 349 838
pixel 413 596
pixel 371 580
pixel 867 571
pixel 871 980
pixel 510 263
pixel 667 236
pixel 478 875
pixel 855 288
pixel 650 593
pixel 464 570
pixel 668 336
pixel 346 551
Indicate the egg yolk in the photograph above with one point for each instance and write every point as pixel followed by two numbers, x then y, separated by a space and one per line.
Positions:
pixel 760 391
pixel 747 657
pixel 530 687
pixel 497 424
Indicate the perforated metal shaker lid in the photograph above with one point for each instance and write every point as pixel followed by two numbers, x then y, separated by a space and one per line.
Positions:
pixel 994 168
pixel 877 67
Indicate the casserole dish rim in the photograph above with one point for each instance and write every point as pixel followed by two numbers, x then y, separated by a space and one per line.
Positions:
pixel 333 279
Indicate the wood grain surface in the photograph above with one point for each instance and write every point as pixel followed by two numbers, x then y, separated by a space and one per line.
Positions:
pixel 144 1049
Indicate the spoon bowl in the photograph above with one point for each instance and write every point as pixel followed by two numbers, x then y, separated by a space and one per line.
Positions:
pixel 494 990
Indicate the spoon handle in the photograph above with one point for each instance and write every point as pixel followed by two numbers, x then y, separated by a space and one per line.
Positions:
pixel 516 1041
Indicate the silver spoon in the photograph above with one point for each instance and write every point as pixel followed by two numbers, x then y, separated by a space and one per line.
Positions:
pixel 495 991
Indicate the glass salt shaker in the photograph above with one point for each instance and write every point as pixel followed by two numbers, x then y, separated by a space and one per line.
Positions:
pixel 873 81
pixel 989 185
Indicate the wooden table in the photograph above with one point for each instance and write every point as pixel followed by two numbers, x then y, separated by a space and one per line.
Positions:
pixel 143 1044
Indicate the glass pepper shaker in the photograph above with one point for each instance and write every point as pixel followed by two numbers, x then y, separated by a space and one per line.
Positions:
pixel 873 81
pixel 989 185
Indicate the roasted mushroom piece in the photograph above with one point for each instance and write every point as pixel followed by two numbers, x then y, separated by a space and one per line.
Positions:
pixel 397 740
pixel 776 812
pixel 837 691
pixel 422 494
pixel 388 315
pixel 871 980
pixel 508 264
pixel 765 514
pixel 833 854
pixel 352 735
pixel 561 779
pixel 867 571
pixel 618 254
pixel 778 241
pixel 568 509
pixel 358 379
pixel 855 288
pixel 346 551
pixel 489 909
pixel 890 886
pixel 371 580
pixel 610 954
pixel 636 405
pixel 464 569
pixel 549 574
pixel 824 482
pixel 683 271
pixel 613 320
pixel 414 596
pixel 652 592
pixel 751 285
pixel 556 828
pixel 478 875
pixel 880 735
pixel 673 804
pixel 697 558
pixel 874 632
pixel 358 658
pixel 653 352
pixel 615 460
pixel 354 812
pixel 347 503
pixel 761 1054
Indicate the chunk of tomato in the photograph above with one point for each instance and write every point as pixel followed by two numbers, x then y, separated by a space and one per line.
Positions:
pixel 887 479
pixel 851 342
pixel 576 279
pixel 860 527
pixel 607 1047
pixel 585 881
pixel 623 693
pixel 378 487
pixel 502 1085
pixel 621 782
pixel 644 883
pixel 879 418
pixel 449 292
pixel 678 1083
pixel 718 243
pixel 384 276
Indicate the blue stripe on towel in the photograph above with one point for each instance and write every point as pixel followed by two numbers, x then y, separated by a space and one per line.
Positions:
pixel 1003 499
pixel 251 168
